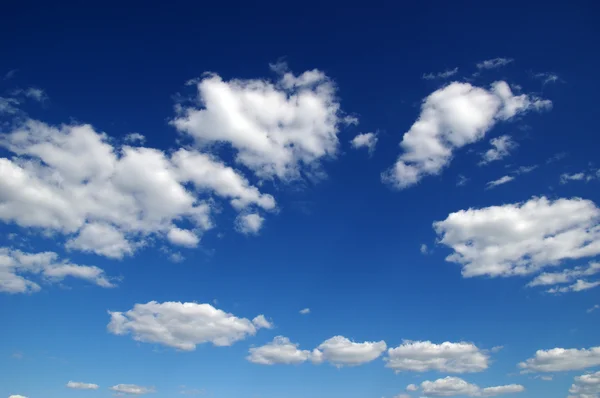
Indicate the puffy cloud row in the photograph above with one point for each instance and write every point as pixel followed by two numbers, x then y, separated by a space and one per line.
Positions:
pixel 454 386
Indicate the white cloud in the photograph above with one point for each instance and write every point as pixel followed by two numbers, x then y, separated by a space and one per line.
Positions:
pixel 586 386
pixel 593 308
pixel 17 396
pixel 183 325
pixel 412 387
pixel 500 181
pixel 454 386
pixel 452 117
pixel 579 286
pixel 423 249
pixel 501 147
pixel 305 311
pixel 402 396
pixel 581 176
pixel 51 269
pixel 440 75
pixel 520 238
pixel 182 237
pixel 134 138
pixel 261 322
pixel 132 389
pixel 494 63
pixel 424 356
pixel 561 360
pixel 279 351
pixel 365 140
pixel 278 129
pixel 462 180
pixel 547 77
pixel 341 351
pixel 249 224
pixel 8 106
pixel 108 199
pixel 82 386
pixel 565 276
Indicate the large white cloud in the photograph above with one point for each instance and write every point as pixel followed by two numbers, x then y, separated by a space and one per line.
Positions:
pixel 277 128
pixel 183 325
pixel 452 117
pixel 280 351
pixel 424 356
pixel 108 199
pixel 454 386
pixel 82 386
pixel 521 238
pixel 586 386
pixel 132 389
pixel 561 359
pixel 14 264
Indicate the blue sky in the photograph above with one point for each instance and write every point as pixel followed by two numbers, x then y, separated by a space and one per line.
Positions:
pixel 269 201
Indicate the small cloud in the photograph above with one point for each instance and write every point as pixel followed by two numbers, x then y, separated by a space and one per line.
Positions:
pixel 10 74
pixel 501 147
pixel 305 311
pixel 497 348
pixel 440 75
pixel 594 308
pixel 176 257
pixel 249 224
pixel 462 180
pixel 134 138
pixel 548 78
pixel 366 140
pixel 525 169
pixel 556 157
pixel 499 181
pixel 424 249
pixel 494 63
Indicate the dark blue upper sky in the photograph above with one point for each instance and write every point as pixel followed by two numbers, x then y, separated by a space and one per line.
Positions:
pixel 360 250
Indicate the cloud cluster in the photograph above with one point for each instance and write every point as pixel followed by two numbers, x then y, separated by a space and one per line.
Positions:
pixel 454 386
pixel 561 360
pixel 338 350
pixel 586 386
pixel 520 238
pixel 14 264
pixel 108 199
pixel 183 325
pixel 424 356
pixel 452 117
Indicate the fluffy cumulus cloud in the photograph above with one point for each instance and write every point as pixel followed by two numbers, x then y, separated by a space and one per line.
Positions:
pixel 132 389
pixel 281 128
pixel 338 350
pixel 365 140
pixel 82 386
pixel 341 351
pixel 454 386
pixel 452 117
pixel 108 199
pixel 586 386
pixel 561 360
pixel 520 238
pixel 424 356
pixel 15 265
pixel 501 147
pixel 183 325
pixel 280 351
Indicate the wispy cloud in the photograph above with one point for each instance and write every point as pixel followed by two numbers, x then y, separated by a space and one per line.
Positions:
pixel 494 63
pixel 440 75
pixel 499 181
